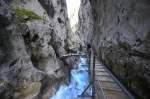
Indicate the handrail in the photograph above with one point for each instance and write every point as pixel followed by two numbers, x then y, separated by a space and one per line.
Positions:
pixel 72 54
pixel 93 78
pixel 68 55
pixel 121 86
pixel 89 72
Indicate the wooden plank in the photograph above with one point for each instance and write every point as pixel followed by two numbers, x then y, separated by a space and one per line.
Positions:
pixel 101 73
pixel 106 87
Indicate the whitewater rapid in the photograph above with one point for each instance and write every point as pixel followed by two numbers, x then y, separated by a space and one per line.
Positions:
pixel 79 81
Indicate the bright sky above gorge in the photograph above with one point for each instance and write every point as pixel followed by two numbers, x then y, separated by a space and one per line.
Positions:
pixel 73 8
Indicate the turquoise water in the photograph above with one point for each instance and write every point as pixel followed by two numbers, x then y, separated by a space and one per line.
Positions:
pixel 79 81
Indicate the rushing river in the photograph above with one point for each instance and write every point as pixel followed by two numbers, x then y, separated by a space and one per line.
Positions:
pixel 79 81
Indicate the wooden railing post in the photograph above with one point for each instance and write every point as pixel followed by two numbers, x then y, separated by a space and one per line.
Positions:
pixel 93 85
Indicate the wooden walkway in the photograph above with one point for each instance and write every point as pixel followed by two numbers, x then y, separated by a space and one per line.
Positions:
pixel 105 85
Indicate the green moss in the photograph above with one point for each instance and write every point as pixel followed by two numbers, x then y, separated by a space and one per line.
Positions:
pixel 39 61
pixel 109 62
pixel 26 15
pixel 124 45
pixel 42 64
pixel 72 44
pixel 26 90
pixel 141 18
pixel 2 82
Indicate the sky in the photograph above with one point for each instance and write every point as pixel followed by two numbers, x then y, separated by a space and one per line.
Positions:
pixel 73 8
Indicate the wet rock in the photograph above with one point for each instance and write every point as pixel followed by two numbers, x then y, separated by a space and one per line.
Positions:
pixel 32 39
pixel 27 91
pixel 120 38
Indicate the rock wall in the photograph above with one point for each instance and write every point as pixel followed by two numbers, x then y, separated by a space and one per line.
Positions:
pixel 121 39
pixel 85 30
pixel 33 35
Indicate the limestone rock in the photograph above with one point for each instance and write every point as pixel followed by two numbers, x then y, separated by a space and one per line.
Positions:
pixel 120 38
pixel 32 38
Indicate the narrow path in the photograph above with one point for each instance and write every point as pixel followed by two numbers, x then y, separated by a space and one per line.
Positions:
pixel 106 86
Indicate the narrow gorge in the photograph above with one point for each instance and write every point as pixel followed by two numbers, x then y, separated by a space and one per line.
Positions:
pixel 43 44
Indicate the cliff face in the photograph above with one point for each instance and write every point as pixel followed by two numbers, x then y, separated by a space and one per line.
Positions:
pixel 121 39
pixel 35 33
pixel 32 38
pixel 85 30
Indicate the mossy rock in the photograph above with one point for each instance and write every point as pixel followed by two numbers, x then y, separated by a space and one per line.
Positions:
pixel 28 90
pixel 39 61
pixel 2 82
pixel 26 15
pixel 42 63
pixel 109 62
pixel 124 45
pixel 72 44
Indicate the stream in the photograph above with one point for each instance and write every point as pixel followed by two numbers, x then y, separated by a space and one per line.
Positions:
pixel 79 81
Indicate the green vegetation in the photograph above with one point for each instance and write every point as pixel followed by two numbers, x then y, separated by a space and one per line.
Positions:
pixel 26 90
pixel 109 62
pixel 124 45
pixel 42 64
pixel 71 44
pixel 39 61
pixel 2 82
pixel 27 15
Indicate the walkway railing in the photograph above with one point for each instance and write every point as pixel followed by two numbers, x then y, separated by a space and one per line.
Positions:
pixel 91 71
pixel 96 87
pixel 72 54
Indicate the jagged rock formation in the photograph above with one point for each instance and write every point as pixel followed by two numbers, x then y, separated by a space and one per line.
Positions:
pixel 33 35
pixel 85 30
pixel 121 39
